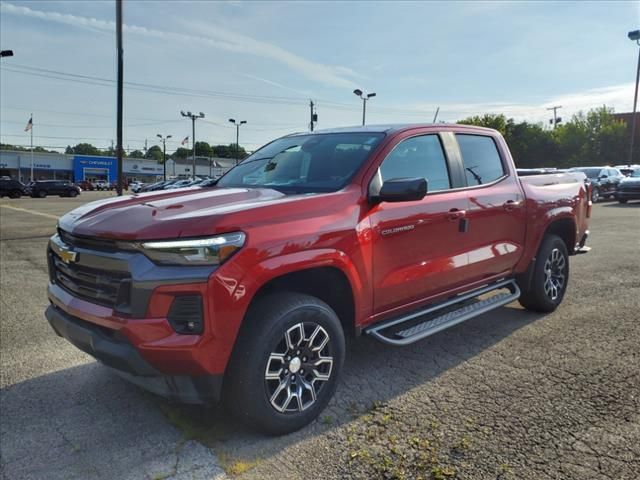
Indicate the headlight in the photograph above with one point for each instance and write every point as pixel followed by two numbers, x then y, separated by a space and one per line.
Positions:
pixel 197 251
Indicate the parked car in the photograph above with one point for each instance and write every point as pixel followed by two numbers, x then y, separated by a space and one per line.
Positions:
pixel 179 184
pixel 86 185
pixel 629 188
pixel 247 289
pixel 63 188
pixel 135 186
pixel 12 188
pixel 102 185
pixel 604 181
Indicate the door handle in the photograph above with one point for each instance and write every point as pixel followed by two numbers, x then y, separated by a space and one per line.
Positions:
pixel 510 205
pixel 456 214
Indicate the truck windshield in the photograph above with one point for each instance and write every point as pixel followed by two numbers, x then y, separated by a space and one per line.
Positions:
pixel 304 163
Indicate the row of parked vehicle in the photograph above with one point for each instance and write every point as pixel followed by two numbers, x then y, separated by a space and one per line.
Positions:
pixel 40 189
pixel 621 182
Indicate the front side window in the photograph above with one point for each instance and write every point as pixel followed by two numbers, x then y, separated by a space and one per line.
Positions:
pixel 418 157
pixel 481 160
pixel 304 163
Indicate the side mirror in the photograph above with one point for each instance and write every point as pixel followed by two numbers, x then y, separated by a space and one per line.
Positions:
pixel 402 190
pixel 604 176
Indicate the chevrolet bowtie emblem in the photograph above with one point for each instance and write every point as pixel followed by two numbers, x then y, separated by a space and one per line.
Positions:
pixel 67 256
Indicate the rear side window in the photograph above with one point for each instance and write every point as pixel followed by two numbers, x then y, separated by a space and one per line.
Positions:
pixel 482 163
pixel 419 157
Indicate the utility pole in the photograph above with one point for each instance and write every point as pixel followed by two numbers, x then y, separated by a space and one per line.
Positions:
pixel 435 117
pixel 635 35
pixel 364 98
pixel 119 94
pixel 555 120
pixel 237 124
pixel 164 154
pixel 193 118
pixel 31 131
pixel 314 115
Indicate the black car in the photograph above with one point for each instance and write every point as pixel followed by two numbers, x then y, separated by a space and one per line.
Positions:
pixel 629 188
pixel 64 188
pixel 12 188
pixel 604 181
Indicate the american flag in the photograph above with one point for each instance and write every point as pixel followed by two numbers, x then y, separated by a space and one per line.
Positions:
pixel 184 142
pixel 29 124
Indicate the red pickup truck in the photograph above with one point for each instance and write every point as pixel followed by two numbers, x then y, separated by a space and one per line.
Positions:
pixel 246 290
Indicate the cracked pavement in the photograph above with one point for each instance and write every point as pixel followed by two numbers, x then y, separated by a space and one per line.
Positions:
pixel 509 395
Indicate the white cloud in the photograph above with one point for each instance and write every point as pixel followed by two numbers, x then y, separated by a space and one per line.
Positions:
pixel 617 96
pixel 216 37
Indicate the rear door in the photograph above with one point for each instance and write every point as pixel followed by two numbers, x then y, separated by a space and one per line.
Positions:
pixel 417 251
pixel 496 213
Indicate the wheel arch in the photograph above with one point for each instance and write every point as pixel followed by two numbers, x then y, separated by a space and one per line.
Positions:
pixel 328 283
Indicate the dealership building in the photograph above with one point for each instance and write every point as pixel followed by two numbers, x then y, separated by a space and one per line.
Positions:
pixel 76 168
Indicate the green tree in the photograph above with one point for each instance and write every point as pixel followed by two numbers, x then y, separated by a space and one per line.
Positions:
pixel 223 151
pixel 181 152
pixel 203 149
pixel 136 154
pixel 154 153
pixel 84 149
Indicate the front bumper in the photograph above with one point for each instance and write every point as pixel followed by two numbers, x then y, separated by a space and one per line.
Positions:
pixel 114 350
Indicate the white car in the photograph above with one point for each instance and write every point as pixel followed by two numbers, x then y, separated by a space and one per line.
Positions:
pixel 135 186
pixel 102 185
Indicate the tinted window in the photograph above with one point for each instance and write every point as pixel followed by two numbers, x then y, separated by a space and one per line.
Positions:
pixel 304 163
pixel 420 157
pixel 481 159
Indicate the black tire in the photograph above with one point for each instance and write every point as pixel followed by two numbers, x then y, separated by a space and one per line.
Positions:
pixel 15 194
pixel 595 195
pixel 262 348
pixel 41 193
pixel 73 194
pixel 623 200
pixel 548 285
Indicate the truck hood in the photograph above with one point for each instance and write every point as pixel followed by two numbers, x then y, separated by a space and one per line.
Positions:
pixel 177 213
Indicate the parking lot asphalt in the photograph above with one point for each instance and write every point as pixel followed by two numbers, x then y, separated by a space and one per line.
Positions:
pixel 509 395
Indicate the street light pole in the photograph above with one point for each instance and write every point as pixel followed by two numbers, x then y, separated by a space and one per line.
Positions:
pixel 237 124
pixel 364 98
pixel 556 120
pixel 635 36
pixel 164 154
pixel 119 95
pixel 193 118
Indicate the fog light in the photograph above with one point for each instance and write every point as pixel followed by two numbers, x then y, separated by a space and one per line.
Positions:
pixel 185 315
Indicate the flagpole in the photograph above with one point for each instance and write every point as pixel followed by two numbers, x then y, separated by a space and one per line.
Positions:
pixel 31 131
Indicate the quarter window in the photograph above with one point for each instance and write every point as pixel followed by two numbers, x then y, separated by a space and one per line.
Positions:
pixel 418 157
pixel 482 163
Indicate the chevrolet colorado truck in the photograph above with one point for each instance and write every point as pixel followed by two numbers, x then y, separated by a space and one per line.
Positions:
pixel 245 291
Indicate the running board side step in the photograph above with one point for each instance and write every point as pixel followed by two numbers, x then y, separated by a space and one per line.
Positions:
pixel 408 328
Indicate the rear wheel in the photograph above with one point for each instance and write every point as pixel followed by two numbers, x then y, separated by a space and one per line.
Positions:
pixel 623 200
pixel 41 193
pixel 15 194
pixel 73 193
pixel 549 277
pixel 285 364
pixel 595 194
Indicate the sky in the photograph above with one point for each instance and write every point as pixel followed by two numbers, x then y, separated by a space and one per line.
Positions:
pixel 263 61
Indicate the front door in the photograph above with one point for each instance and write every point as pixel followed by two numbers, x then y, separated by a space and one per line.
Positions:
pixel 417 250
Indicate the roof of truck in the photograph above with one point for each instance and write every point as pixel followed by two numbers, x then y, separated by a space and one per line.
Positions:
pixel 389 128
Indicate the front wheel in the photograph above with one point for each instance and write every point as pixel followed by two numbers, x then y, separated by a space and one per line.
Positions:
pixel 595 195
pixel 549 277
pixel 73 194
pixel 15 194
pixel 286 362
pixel 623 200
pixel 42 193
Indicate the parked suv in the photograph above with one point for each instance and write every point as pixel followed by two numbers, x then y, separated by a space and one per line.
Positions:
pixel 12 188
pixel 604 181
pixel 63 188
pixel 247 290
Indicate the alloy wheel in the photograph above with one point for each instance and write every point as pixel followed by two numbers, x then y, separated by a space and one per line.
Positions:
pixel 554 274
pixel 298 368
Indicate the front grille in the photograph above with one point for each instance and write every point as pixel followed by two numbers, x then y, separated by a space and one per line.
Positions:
pixel 87 242
pixel 104 287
